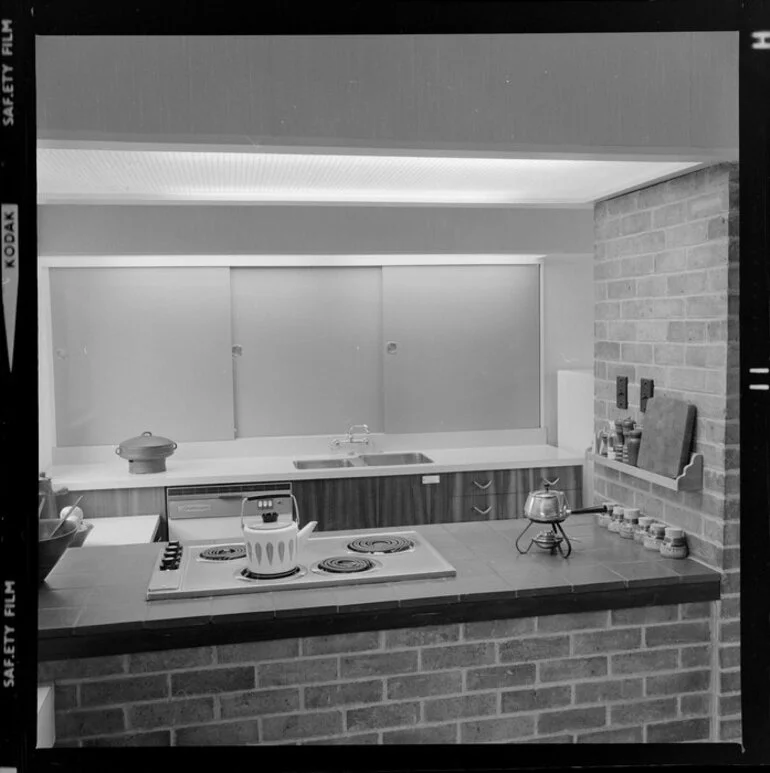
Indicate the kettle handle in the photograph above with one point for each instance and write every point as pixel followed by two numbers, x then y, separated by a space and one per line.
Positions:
pixel 294 510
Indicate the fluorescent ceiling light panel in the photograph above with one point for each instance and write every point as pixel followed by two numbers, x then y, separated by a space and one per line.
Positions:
pixel 218 177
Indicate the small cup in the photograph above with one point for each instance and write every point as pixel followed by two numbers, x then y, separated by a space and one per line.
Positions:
pixel 603 519
pixel 617 517
pixel 641 528
pixel 629 523
pixel 674 544
pixel 650 539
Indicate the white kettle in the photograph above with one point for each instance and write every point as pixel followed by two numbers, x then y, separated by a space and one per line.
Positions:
pixel 272 548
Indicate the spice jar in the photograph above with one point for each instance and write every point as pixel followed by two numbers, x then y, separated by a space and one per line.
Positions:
pixel 629 523
pixel 628 426
pixel 632 446
pixel 656 533
pixel 617 518
pixel 603 445
pixel 605 516
pixel 641 528
pixel 618 440
pixel 674 544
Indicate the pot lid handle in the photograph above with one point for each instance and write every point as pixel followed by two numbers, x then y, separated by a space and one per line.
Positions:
pixel 548 483
pixel 146 434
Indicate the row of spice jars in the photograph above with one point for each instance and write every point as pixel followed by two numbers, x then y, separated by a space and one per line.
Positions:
pixel 628 523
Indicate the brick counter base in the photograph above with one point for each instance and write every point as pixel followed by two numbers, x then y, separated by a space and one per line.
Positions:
pixel 629 675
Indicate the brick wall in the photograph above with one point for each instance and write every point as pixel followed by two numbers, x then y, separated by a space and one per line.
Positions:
pixel 631 675
pixel 666 301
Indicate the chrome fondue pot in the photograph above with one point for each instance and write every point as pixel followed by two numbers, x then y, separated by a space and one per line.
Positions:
pixel 545 505
pixel 550 506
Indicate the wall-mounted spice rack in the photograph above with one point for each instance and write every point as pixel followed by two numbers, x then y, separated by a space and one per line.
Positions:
pixel 691 478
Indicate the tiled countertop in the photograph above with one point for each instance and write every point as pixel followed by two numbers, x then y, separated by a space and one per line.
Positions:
pixel 93 602
pixel 180 471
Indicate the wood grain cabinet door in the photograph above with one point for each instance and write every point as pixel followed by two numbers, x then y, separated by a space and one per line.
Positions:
pixel 106 503
pixel 347 504
pixel 404 500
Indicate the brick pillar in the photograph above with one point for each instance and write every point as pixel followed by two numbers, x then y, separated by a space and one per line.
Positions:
pixel 666 302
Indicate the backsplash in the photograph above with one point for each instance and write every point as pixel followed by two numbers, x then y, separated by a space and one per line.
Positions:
pixel 666 303
pixel 313 445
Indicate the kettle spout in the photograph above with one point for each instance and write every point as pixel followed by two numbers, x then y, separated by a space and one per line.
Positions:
pixel 306 531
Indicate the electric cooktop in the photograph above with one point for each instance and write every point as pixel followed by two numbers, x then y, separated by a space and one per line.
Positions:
pixel 206 568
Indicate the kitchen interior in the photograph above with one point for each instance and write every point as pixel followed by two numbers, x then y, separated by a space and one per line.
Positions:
pixel 388 389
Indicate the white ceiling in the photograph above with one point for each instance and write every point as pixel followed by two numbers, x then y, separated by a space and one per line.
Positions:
pixel 99 175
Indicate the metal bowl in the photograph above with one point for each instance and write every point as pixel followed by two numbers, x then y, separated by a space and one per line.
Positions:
pixel 51 548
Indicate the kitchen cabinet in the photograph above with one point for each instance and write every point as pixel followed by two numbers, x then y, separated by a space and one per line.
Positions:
pixel 404 500
pixel 469 496
pixel 111 502
pixel 338 503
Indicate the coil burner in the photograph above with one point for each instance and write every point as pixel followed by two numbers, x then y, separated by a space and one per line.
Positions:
pixel 247 574
pixel 381 544
pixel 223 553
pixel 346 564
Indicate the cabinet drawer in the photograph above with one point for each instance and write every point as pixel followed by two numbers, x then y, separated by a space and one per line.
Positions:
pixel 516 481
pixel 477 482
pixel 484 507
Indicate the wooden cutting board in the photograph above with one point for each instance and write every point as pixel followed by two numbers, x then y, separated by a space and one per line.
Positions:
pixel 667 432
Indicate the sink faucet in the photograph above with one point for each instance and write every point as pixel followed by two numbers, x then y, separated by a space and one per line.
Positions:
pixel 351 438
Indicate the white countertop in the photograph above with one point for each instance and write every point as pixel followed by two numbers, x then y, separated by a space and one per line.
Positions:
pixel 114 474
pixel 121 530
pixel 46 731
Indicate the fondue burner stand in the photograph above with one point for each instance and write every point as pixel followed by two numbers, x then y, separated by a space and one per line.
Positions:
pixel 547 540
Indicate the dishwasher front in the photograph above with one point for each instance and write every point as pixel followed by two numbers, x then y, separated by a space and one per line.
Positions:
pixel 214 511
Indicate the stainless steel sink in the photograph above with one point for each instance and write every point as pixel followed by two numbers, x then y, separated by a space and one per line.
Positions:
pixel 380 459
pixel 322 464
